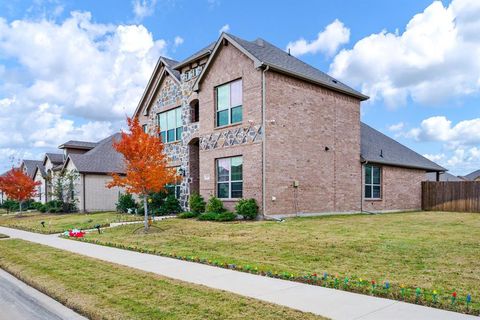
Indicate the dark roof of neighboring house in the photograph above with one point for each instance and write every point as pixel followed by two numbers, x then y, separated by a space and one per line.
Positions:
pixel 31 165
pixel 55 158
pixel 74 144
pixel 472 176
pixel 378 148
pixel 200 53
pixel 444 176
pixel 102 159
pixel 266 54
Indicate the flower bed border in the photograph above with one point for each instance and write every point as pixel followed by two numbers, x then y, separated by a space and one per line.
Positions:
pixel 431 298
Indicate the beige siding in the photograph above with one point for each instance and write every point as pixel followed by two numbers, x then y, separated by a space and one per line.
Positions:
pixel 40 197
pixel 98 196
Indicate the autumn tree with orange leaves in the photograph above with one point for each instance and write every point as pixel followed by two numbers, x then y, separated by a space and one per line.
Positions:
pixel 18 186
pixel 146 166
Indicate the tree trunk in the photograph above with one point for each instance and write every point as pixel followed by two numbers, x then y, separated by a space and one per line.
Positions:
pixel 20 203
pixel 145 207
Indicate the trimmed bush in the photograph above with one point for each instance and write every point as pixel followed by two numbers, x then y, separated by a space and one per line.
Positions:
pixel 125 202
pixel 188 215
pixel 226 216
pixel 215 205
pixel 170 206
pixel 209 216
pixel 247 208
pixel 197 203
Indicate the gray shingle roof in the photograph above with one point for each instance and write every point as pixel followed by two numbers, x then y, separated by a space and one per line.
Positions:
pixel 378 148
pixel 101 159
pixel 78 144
pixel 55 158
pixel 277 59
pixel 432 176
pixel 196 55
pixel 30 166
pixel 474 175
pixel 170 65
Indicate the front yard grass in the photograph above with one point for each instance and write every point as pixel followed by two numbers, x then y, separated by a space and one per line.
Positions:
pixel 101 290
pixel 57 223
pixel 430 250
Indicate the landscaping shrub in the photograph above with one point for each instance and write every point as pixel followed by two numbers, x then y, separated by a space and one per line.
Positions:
pixel 209 216
pixel 188 215
pixel 214 216
pixel 247 208
pixel 156 201
pixel 54 206
pixel 125 202
pixel 11 205
pixel 215 205
pixel 170 206
pixel 197 203
pixel 42 208
pixel 35 206
pixel 226 216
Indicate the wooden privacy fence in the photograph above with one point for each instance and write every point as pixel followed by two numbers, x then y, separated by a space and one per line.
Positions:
pixel 461 196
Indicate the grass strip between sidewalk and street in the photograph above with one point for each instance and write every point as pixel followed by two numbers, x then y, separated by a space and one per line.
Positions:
pixel 101 290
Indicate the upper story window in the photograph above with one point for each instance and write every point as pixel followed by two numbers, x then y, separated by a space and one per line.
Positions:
pixel 229 99
pixel 170 123
pixel 144 127
pixel 373 182
pixel 230 178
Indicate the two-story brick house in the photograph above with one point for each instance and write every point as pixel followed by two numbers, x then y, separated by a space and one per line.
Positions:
pixel 244 119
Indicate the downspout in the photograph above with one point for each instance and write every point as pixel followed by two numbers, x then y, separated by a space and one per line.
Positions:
pixel 264 143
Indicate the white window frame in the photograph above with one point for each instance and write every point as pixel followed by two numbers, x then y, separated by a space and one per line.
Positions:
pixel 177 110
pixel 230 107
pixel 371 183
pixel 230 181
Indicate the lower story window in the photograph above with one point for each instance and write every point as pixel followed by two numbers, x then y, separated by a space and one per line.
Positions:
pixel 373 186
pixel 230 178
pixel 174 188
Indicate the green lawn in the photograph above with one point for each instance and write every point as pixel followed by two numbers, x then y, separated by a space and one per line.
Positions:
pixel 101 290
pixel 56 223
pixel 431 250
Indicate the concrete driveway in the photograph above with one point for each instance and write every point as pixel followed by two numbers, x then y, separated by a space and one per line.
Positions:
pixel 20 301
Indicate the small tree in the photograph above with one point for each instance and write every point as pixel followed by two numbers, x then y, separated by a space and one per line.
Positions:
pixel 64 190
pixel 146 166
pixel 18 186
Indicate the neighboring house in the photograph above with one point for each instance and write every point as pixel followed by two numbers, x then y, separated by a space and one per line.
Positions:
pixel 444 176
pixel 52 164
pixel 474 176
pixel 29 166
pixel 39 175
pixel 245 119
pixel 94 169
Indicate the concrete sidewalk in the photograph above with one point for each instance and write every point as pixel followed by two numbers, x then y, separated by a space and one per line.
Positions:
pixel 335 304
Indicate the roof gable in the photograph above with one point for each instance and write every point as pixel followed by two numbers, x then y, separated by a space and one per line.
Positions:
pixel 30 166
pixel 103 159
pixel 473 176
pixel 163 67
pixel 264 54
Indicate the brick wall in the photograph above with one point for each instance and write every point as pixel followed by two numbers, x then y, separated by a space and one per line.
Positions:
pixel 401 190
pixel 308 119
pixel 231 64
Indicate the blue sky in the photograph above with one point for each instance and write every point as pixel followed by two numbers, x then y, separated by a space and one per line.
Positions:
pixel 416 59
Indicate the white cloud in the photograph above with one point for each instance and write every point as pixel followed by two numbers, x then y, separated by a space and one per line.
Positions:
pixel 396 127
pixel 178 41
pixel 74 79
pixel 143 8
pixel 327 42
pixel 224 28
pixel 440 129
pixel 436 58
